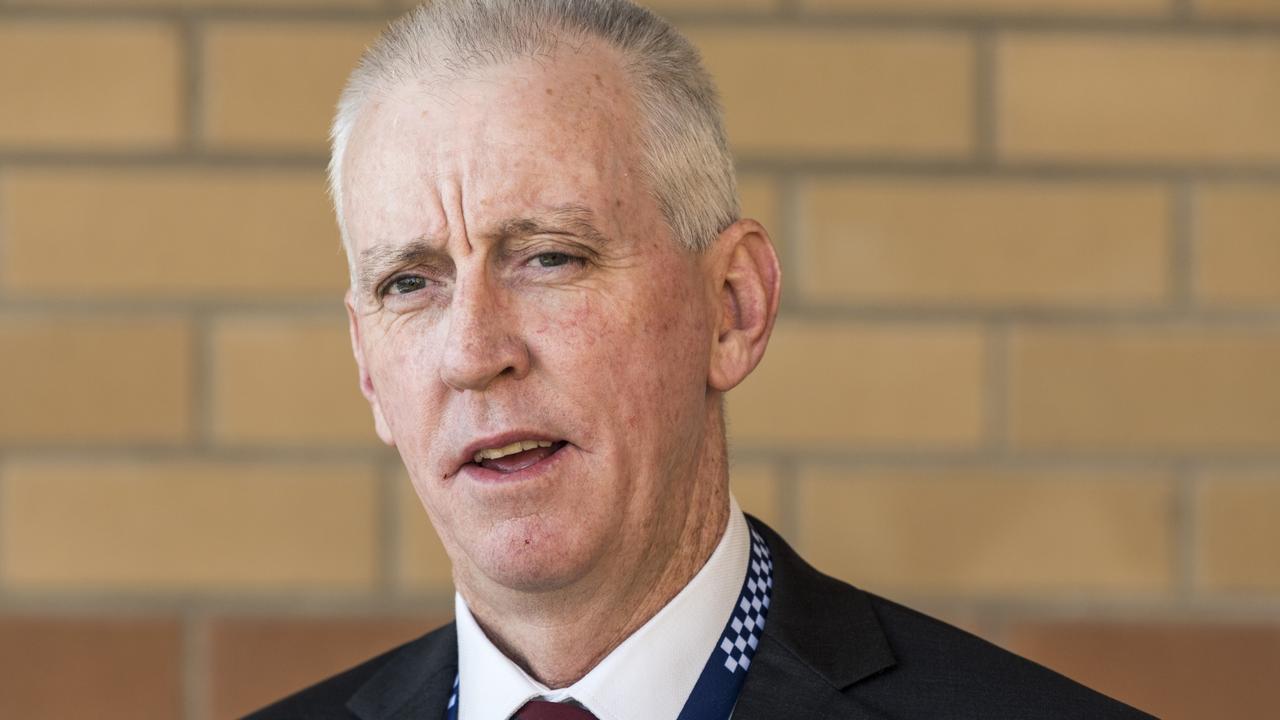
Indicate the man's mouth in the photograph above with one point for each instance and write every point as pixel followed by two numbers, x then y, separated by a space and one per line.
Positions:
pixel 517 455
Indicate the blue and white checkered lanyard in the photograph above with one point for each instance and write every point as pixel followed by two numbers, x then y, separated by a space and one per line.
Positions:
pixel 716 691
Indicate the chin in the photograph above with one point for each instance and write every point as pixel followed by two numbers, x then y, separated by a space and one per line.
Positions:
pixel 528 555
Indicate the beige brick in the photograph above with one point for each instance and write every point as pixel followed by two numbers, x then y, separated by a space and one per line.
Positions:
pixel 189 232
pixel 980 242
pixel 94 379
pixel 1238 8
pixel 170 526
pixel 77 85
pixel 989 531
pixel 823 93
pixel 994 7
pixel 1238 244
pixel 423 564
pixel 1175 390
pixel 275 85
pixel 835 385
pixel 756 486
pixel 1237 531
pixel 287 380
pixel 1122 98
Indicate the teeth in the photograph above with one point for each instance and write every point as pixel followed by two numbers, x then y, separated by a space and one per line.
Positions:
pixel 512 449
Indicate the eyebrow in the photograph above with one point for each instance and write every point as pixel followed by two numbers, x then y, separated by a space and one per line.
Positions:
pixel 574 220
pixel 377 260
pixel 569 220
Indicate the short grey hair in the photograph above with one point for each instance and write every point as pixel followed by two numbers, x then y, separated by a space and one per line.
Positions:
pixel 685 157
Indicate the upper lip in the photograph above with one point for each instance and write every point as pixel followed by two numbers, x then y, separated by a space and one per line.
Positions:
pixel 468 454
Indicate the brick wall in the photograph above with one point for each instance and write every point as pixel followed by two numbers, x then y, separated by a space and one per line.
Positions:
pixel 1027 375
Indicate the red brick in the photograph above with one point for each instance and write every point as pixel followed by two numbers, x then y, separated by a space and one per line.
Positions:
pixel 256 660
pixel 90 667
pixel 1174 671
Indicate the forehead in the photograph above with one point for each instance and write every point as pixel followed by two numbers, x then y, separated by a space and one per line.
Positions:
pixel 531 134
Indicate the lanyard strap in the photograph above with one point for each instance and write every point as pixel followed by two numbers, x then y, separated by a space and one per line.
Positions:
pixel 716 691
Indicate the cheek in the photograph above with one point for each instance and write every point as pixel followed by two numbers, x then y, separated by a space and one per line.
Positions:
pixel 400 367
pixel 641 354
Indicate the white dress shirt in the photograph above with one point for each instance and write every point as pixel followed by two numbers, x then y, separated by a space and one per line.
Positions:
pixel 648 677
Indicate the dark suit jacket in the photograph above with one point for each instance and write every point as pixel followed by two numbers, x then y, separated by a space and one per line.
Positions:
pixel 829 650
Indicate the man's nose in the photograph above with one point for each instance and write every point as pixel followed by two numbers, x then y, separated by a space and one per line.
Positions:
pixel 483 343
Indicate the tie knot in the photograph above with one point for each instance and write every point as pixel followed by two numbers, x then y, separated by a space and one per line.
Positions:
pixel 543 710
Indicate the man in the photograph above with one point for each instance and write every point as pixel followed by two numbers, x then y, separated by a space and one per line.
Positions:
pixel 552 290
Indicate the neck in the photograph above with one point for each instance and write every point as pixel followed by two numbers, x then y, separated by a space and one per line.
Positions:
pixel 559 640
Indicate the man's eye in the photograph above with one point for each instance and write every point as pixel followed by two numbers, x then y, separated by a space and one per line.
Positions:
pixel 553 259
pixel 406 285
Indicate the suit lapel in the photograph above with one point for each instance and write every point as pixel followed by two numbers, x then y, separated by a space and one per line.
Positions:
pixel 781 685
pixel 416 683
pixel 821 637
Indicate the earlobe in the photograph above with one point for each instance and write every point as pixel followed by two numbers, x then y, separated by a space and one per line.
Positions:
pixel 366 381
pixel 749 283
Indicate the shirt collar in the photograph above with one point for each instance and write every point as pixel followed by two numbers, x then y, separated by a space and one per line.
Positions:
pixel 650 675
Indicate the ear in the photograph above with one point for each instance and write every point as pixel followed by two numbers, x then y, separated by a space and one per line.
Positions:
pixel 366 382
pixel 748 284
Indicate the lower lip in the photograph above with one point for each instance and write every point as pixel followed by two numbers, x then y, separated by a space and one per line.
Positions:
pixel 481 474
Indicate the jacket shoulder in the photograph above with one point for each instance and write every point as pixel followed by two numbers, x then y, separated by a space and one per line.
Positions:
pixel 894 662
pixel 947 667
pixel 327 699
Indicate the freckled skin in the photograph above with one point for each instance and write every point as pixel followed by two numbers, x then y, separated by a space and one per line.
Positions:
pixel 612 355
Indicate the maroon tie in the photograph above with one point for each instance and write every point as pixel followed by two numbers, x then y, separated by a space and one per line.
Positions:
pixel 543 710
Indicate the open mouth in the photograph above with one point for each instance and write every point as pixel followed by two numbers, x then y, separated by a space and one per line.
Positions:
pixel 516 456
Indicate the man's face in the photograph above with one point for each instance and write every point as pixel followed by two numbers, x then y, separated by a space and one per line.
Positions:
pixel 517 284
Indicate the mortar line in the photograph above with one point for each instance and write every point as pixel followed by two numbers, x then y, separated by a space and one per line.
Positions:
pixel 289 603
pixel 1183 257
pixel 89 13
pixel 996 382
pixel 793 308
pixel 784 16
pixel 788 9
pixel 196 666
pixel 193 99
pixel 857 457
pixel 1109 607
pixel 985 97
pixel 788 499
pixel 850 455
pixel 368 457
pixel 390 532
pixel 1186 533
pixel 860 164
pixel 993 626
pixel 204 396
pixel 1099 318
pixel 793 227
